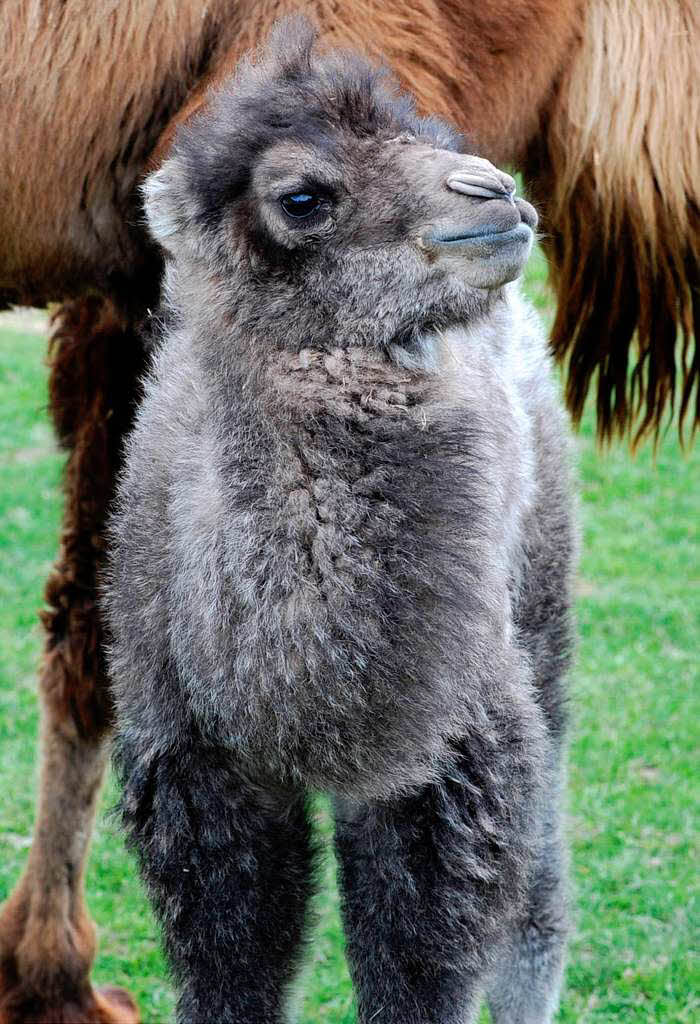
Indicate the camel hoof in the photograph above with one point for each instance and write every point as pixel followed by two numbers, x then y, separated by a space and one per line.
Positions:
pixel 117 1006
pixel 107 1005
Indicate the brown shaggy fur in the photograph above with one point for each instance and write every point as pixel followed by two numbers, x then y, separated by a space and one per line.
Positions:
pixel 597 101
pixel 620 186
pixel 96 360
pixel 84 97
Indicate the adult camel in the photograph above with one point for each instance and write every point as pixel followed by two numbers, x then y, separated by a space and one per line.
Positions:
pixel 597 102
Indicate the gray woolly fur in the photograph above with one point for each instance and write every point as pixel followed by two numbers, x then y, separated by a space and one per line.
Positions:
pixel 341 562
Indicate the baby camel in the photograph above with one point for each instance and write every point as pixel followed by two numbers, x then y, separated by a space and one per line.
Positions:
pixel 341 559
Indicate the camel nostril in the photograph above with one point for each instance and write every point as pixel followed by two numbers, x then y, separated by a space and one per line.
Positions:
pixel 528 214
pixel 483 183
pixel 507 182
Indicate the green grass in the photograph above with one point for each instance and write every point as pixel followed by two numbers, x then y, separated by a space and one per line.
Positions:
pixel 634 708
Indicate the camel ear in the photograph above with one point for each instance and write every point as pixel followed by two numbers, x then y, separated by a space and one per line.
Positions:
pixel 164 203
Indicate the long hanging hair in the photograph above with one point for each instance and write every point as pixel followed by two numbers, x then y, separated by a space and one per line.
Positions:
pixel 621 186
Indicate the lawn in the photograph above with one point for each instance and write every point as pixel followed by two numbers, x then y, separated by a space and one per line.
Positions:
pixel 635 713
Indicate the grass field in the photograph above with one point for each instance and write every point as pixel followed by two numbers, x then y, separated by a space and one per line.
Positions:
pixel 635 713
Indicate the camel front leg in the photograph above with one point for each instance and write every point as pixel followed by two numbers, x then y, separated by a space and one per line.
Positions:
pixel 47 940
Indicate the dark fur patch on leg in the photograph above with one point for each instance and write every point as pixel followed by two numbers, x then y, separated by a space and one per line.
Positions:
pixel 230 872
pixel 96 359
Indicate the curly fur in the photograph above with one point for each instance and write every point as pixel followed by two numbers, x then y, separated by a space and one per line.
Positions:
pixel 341 559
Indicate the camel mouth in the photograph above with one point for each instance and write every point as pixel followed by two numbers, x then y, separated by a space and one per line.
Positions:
pixel 484 235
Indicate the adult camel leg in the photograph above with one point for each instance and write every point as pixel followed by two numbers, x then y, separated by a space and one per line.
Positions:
pixel 47 940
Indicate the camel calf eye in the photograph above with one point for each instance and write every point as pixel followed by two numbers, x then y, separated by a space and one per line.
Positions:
pixel 300 204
